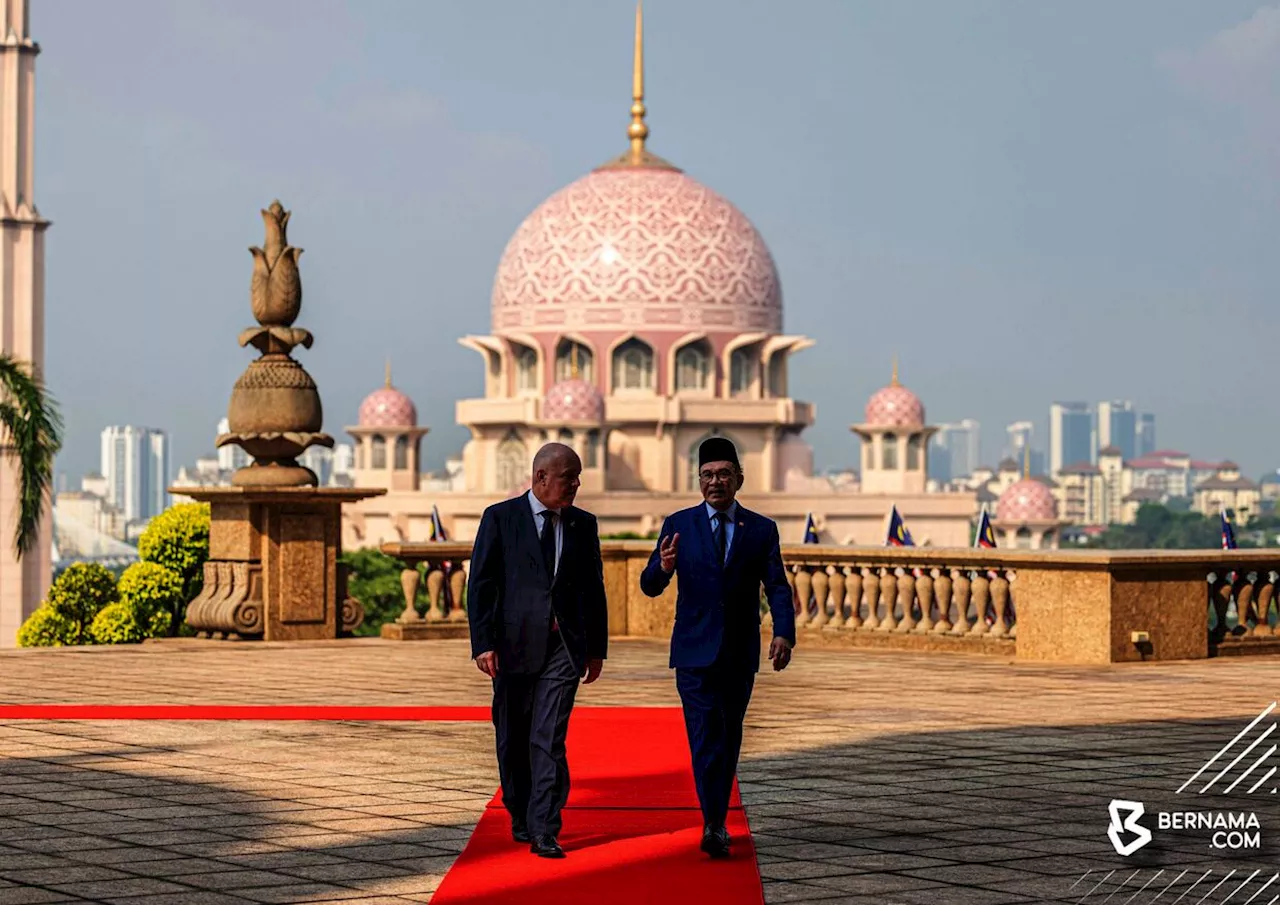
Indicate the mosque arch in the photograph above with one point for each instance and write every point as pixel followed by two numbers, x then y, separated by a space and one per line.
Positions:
pixel 574 358
pixel 633 365
pixel 526 368
pixel 695 367
pixel 512 462
pixel 379 444
pixel 402 453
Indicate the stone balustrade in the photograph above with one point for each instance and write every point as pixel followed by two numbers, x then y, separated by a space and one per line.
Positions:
pixel 1066 606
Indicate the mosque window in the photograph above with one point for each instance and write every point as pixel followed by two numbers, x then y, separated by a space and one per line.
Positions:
pixel 402 452
pixel 573 359
pixel 526 369
pixel 1022 539
pixel 778 375
pixel 565 437
pixel 890 443
pixel 379 452
pixel 913 452
pixel 512 463
pixel 592 450
pixel 693 367
pixel 633 366
pixel 741 372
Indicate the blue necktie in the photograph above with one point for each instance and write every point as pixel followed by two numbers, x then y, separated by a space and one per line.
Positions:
pixel 719 532
pixel 548 542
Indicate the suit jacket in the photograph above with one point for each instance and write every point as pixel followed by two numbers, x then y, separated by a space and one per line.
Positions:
pixel 511 598
pixel 720 607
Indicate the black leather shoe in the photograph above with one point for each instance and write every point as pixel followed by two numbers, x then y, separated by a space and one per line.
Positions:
pixel 519 832
pixel 715 842
pixel 546 847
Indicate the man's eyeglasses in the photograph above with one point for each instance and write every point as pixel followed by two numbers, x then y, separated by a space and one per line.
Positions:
pixel 707 477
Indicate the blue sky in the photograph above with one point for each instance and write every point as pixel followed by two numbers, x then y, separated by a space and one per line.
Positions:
pixel 1025 201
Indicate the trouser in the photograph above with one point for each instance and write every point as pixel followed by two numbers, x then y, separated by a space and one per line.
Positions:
pixel 715 702
pixel 531 720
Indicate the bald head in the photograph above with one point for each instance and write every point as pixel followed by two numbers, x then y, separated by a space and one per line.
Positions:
pixel 556 470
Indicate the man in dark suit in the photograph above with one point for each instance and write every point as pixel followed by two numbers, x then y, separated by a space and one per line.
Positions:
pixel 539 623
pixel 723 553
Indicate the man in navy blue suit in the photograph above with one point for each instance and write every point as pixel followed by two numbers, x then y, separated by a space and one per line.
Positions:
pixel 726 555
pixel 539 623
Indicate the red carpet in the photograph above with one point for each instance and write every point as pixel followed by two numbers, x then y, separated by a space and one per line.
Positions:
pixel 631 828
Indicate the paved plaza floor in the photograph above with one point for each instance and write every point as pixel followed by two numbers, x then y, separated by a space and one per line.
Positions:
pixel 867 776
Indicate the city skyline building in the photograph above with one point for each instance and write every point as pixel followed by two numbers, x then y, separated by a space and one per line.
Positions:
pixel 1146 440
pixel 955 451
pixel 1117 425
pixel 1073 437
pixel 135 464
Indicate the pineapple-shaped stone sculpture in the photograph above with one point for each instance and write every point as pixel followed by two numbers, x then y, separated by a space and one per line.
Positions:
pixel 275 411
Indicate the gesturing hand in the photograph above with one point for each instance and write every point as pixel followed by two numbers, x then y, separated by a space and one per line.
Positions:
pixel 488 663
pixel 780 653
pixel 594 665
pixel 667 552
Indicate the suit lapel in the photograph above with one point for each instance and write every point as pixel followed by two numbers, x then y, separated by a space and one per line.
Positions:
pixel 568 541
pixel 527 536
pixel 741 531
pixel 707 539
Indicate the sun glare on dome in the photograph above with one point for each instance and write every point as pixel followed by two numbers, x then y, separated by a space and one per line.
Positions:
pixel 609 254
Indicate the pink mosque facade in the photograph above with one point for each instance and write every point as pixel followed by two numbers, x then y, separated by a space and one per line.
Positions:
pixel 635 313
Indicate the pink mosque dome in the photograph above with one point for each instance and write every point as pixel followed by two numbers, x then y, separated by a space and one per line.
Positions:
pixel 636 246
pixel 1027 500
pixel 894 406
pixel 388 407
pixel 573 400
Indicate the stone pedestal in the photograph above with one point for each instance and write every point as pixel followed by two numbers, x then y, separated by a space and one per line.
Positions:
pixel 273 570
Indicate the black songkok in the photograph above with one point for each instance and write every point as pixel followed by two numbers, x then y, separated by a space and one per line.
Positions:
pixel 717 449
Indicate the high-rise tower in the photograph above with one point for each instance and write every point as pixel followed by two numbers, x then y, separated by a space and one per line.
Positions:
pixel 22 583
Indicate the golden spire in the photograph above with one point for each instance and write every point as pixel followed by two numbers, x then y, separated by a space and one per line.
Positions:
pixel 893 382
pixel 1026 462
pixel 388 373
pixel 638 131
pixel 573 361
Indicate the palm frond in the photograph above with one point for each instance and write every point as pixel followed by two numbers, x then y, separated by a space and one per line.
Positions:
pixel 32 427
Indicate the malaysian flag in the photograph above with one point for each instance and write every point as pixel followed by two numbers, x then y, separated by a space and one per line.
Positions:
pixel 810 532
pixel 1228 531
pixel 898 535
pixel 986 536
pixel 437 527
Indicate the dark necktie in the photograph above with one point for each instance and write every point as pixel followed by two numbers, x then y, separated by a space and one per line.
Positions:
pixel 719 533
pixel 548 541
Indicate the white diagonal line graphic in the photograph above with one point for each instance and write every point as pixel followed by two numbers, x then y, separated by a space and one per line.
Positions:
pixel 1257 741
pixel 1096 885
pixel 1263 889
pixel 1144 886
pixel 1079 880
pixel 1215 888
pixel 1171 883
pixel 1121 886
pixel 1191 887
pixel 1256 764
pixel 1270 773
pixel 1247 881
pixel 1243 732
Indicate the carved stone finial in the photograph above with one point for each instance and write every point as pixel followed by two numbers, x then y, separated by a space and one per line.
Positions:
pixel 275 412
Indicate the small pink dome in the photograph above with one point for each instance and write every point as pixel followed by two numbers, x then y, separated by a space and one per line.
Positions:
pixel 895 406
pixel 1027 500
pixel 388 407
pixel 573 400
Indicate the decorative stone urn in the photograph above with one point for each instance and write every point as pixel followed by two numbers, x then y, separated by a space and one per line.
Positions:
pixel 275 412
